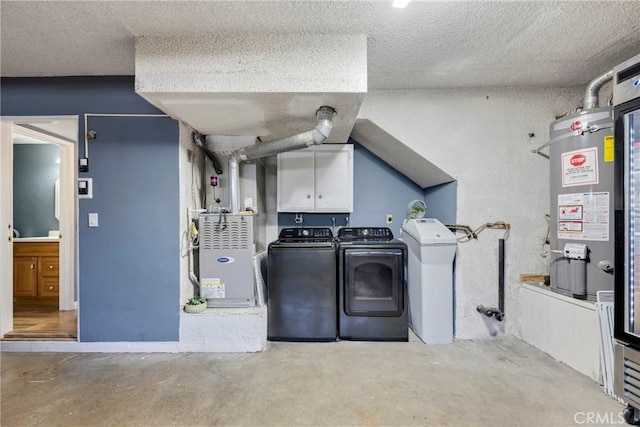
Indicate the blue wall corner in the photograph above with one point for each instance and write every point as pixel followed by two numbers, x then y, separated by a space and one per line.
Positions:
pixel 379 190
pixel 442 202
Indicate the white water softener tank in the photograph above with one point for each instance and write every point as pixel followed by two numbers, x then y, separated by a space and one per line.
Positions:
pixel 581 178
pixel 432 248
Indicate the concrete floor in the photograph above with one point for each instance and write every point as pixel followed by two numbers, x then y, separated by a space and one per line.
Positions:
pixel 501 381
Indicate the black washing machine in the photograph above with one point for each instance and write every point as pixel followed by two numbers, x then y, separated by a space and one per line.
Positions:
pixel 302 291
pixel 372 285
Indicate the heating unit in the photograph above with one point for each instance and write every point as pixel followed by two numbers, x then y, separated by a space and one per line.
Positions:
pixel 225 259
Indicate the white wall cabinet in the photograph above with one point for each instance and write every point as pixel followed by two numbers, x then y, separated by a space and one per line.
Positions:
pixel 316 179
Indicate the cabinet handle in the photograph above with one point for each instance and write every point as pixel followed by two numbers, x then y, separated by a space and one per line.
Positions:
pixel 50 288
pixel 320 196
pixel 308 196
pixel 51 267
pixel 33 266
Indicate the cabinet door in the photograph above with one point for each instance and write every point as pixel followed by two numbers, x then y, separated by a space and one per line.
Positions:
pixel 334 180
pixel 25 276
pixel 295 182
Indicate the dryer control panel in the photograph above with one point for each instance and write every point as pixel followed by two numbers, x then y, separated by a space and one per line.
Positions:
pixel 365 233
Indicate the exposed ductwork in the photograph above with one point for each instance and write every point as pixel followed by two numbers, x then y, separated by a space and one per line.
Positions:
pixel 302 140
pixel 316 136
pixel 591 94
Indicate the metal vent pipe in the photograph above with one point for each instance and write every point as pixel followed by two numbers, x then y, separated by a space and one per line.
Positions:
pixel 316 136
pixel 593 89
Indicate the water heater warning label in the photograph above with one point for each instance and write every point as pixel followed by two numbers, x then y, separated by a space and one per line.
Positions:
pixel 583 216
pixel 580 167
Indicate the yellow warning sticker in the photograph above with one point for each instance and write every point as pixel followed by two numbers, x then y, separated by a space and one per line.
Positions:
pixel 608 148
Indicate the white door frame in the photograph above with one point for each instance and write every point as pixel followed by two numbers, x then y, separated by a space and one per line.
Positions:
pixel 68 211
pixel 6 225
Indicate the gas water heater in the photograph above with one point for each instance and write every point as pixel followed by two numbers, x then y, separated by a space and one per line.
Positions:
pixel 581 154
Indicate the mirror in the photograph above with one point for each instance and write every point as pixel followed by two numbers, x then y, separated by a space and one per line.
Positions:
pixel 56 199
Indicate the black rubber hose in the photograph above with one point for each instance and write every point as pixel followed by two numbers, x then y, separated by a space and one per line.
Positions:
pixel 501 276
pixel 197 139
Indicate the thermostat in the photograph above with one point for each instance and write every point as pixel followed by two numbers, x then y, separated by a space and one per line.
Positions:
pixel 83 164
pixel 85 188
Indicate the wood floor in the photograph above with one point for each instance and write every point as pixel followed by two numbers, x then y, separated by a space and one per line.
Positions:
pixel 43 323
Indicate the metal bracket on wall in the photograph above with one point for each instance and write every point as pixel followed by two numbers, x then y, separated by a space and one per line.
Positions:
pixel 537 150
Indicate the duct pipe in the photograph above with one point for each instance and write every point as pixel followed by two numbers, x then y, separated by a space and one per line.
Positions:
pixel 234 184
pixel 593 89
pixel 316 136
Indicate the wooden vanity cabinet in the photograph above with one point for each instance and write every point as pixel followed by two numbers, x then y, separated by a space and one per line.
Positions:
pixel 36 274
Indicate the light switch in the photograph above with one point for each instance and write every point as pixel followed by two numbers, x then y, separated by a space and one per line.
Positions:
pixel 93 220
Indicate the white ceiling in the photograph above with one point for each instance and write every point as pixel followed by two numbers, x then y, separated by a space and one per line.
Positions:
pixel 435 44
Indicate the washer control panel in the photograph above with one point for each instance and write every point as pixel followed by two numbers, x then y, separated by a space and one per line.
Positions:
pixel 306 233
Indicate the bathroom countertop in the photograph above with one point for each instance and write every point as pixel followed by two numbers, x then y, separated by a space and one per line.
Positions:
pixel 35 239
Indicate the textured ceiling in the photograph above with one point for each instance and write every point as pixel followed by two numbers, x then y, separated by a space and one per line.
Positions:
pixel 426 45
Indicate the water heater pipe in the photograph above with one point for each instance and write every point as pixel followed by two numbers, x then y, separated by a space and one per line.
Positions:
pixel 316 136
pixel 593 89
pixel 590 100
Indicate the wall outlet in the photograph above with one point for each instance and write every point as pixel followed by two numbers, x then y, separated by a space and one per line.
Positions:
pixel 389 219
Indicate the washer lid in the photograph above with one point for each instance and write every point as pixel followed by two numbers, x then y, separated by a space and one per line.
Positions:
pixel 429 231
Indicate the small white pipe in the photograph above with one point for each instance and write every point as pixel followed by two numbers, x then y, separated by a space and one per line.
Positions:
pixel 190 248
pixel 124 115
pixel 86 140
pixel 551 251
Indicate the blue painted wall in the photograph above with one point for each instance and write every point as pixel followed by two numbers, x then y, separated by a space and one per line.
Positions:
pixel 129 265
pixel 379 190
pixel 35 170
pixel 442 202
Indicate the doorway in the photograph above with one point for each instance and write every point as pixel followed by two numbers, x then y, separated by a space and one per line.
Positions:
pixel 39 260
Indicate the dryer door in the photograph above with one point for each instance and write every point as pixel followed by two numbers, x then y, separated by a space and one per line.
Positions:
pixel 373 282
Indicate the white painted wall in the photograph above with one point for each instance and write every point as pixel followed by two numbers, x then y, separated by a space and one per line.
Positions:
pixel 480 137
